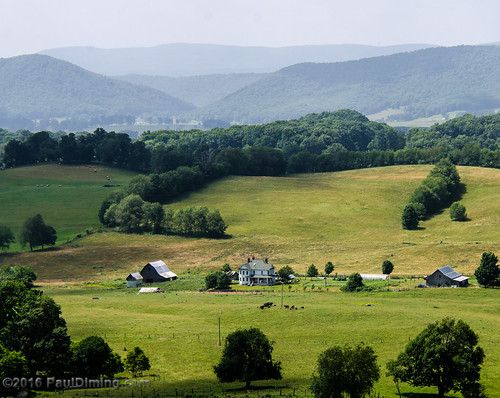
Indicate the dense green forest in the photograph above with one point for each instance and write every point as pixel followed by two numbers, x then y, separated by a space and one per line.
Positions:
pixel 329 141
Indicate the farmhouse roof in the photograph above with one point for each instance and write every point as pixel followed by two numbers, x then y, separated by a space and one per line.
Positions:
pixel 257 265
pixel 162 269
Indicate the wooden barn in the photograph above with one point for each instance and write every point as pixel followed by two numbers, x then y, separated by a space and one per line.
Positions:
pixel 134 280
pixel 157 271
pixel 446 277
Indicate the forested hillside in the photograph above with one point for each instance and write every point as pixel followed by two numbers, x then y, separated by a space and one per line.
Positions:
pixel 417 84
pixel 36 88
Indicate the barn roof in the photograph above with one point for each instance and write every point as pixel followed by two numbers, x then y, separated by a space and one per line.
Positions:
pixel 374 277
pixel 450 273
pixel 162 269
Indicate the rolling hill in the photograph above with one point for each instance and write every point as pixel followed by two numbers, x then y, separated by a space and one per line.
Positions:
pixel 203 59
pixel 351 218
pixel 408 85
pixel 40 87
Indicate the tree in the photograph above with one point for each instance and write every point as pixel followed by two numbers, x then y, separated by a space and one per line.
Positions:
pixel 129 214
pixel 226 268
pixel 35 233
pixel 94 358
pixel 217 280
pixel 312 271
pixel 345 370
pixel 387 267
pixel 409 218
pixel 445 354
pixel 488 271
pixel 458 212
pixel 12 364
pixel 247 356
pixel 6 237
pixel 354 283
pixel 329 268
pixel 136 361
pixel 19 273
pixel 285 272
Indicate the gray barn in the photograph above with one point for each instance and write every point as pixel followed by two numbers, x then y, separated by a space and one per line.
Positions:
pixel 446 277
pixel 134 280
pixel 157 271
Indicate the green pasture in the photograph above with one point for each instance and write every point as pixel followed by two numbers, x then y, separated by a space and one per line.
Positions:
pixel 179 330
pixel 351 218
pixel 68 197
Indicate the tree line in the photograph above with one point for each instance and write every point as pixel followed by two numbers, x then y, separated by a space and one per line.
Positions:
pixel 467 140
pixel 128 212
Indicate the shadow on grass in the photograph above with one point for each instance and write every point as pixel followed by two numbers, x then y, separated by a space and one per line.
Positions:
pixel 418 395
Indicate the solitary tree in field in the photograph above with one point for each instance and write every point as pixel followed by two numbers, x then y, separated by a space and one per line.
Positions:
pixel 445 354
pixel 329 268
pixel 285 272
pixel 387 267
pixel 488 272
pixel 6 237
pixel 34 232
pixel 312 271
pixel 345 371
pixel 354 283
pixel 409 218
pixel 136 362
pixel 247 356
pixel 458 212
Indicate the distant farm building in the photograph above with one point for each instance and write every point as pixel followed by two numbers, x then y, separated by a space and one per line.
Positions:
pixel 374 277
pixel 446 277
pixel 157 271
pixel 257 272
pixel 134 280
pixel 233 275
pixel 150 290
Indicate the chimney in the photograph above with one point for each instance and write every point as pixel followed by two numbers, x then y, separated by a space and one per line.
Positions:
pixel 248 259
pixel 266 260
pixel 253 257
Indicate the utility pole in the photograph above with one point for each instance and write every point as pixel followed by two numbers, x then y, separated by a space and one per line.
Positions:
pixel 219 332
pixel 281 295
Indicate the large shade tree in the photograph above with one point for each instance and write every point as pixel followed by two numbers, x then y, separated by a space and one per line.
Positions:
pixel 347 370
pixel 247 356
pixel 35 232
pixel 445 354
pixel 488 271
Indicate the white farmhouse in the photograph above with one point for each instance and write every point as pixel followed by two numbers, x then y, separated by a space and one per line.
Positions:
pixel 257 272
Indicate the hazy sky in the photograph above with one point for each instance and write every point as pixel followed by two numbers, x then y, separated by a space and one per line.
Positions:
pixel 30 26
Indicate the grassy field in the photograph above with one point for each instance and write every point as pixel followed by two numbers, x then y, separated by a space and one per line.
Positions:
pixel 69 203
pixel 179 330
pixel 351 218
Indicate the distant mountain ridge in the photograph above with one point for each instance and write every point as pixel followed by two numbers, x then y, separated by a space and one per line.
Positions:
pixel 176 60
pixel 41 87
pixel 416 84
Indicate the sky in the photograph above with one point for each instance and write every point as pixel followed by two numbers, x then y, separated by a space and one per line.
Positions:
pixel 29 26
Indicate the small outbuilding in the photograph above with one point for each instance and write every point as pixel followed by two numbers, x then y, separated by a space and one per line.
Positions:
pixel 233 275
pixel 150 290
pixel 374 277
pixel 157 271
pixel 134 280
pixel 446 277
